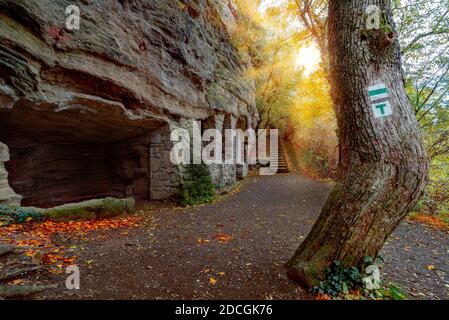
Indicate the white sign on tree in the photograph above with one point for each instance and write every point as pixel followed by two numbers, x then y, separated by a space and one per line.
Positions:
pixel 381 108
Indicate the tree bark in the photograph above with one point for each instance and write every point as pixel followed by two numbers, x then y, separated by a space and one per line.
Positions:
pixel 383 165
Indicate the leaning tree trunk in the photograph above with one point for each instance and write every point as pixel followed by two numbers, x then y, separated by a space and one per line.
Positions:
pixel 383 165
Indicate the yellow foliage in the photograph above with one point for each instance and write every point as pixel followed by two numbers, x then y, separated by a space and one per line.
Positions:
pixel 287 98
pixel 313 126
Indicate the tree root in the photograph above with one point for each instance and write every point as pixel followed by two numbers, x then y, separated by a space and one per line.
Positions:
pixel 5 249
pixel 17 291
pixel 19 272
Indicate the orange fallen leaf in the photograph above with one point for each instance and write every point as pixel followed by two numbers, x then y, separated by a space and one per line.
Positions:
pixel 16 282
pixel 430 220
pixel 212 281
pixel 202 241
pixel 430 267
pixel 222 238
pixel 40 236
pixel 56 271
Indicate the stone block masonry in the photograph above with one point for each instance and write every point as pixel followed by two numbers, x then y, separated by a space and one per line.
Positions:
pixel 165 176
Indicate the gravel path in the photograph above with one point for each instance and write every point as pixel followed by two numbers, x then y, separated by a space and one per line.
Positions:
pixel 236 248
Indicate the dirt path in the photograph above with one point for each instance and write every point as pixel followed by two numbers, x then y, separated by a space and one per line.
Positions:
pixel 236 248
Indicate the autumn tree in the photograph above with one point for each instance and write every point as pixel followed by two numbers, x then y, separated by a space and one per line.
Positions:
pixel 423 29
pixel 273 49
pixel 383 163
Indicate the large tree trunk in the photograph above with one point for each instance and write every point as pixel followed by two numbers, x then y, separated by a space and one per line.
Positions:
pixel 383 165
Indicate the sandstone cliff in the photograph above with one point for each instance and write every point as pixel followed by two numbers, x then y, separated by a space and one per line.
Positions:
pixel 78 107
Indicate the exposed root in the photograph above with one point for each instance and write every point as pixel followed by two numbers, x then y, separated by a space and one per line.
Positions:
pixel 5 249
pixel 17 291
pixel 18 272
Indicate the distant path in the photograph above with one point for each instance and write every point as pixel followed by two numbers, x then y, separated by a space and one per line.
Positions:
pixel 176 256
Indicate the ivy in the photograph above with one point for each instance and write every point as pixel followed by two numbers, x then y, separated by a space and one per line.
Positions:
pixel 339 280
pixel 198 189
pixel 20 215
pixel 347 283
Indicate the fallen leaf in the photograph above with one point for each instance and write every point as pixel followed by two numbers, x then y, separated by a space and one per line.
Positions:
pixel 16 282
pixel 55 271
pixel 212 281
pixel 322 297
pixel 222 238
pixel 430 267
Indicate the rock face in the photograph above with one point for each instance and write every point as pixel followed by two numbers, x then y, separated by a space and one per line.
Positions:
pixel 88 113
pixel 7 195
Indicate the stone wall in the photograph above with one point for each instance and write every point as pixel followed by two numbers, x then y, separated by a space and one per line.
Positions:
pixel 229 171
pixel 216 170
pixel 165 176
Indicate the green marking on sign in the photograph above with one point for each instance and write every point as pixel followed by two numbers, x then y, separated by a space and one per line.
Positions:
pixel 378 92
pixel 381 108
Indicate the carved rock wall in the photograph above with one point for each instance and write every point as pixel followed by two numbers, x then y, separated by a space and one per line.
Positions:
pixel 81 110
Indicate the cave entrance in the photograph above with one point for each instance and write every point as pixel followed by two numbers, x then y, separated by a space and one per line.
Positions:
pixel 70 157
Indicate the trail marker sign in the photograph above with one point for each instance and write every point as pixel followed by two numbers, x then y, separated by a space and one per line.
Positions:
pixel 382 109
pixel 377 92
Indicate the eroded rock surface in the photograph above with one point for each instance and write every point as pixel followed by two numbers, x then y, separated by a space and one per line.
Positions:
pixel 7 194
pixel 79 109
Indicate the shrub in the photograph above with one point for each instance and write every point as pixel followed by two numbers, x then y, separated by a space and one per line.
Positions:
pixel 198 188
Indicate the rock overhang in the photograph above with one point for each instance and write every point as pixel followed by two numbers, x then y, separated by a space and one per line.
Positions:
pixel 133 68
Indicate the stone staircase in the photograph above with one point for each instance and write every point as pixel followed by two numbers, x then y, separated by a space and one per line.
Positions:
pixel 282 164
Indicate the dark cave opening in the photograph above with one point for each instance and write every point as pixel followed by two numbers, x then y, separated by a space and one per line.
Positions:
pixel 55 162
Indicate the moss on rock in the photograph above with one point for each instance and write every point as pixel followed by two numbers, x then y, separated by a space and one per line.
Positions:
pixel 91 209
pixel 86 210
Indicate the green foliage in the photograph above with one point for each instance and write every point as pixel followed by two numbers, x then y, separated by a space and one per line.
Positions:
pixel 9 215
pixel 347 283
pixel 199 188
pixel 392 292
pixel 339 280
pixel 435 201
pixel 385 28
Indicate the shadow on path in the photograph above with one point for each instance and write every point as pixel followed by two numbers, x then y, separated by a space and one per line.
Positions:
pixel 236 248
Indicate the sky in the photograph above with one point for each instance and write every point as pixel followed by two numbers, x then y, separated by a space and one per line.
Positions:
pixel 308 57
